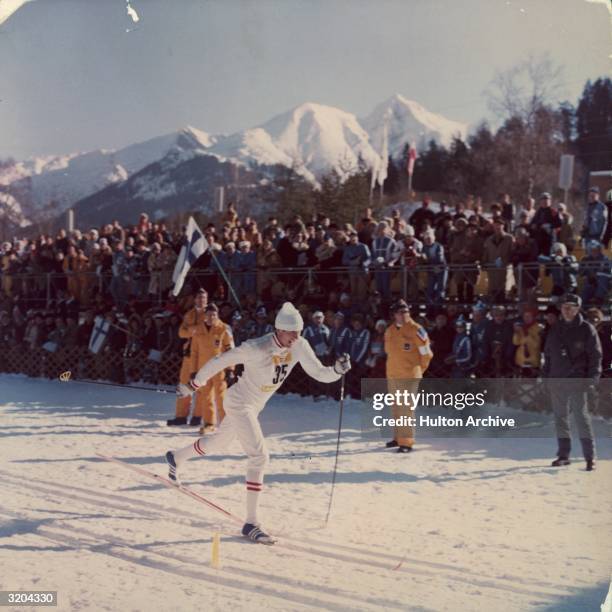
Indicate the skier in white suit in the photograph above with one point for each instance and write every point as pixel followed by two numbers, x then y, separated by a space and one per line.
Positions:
pixel 267 361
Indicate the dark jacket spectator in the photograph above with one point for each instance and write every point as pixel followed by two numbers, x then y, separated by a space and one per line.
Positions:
pixel 525 254
pixel 500 347
pixel 441 338
pixel 420 216
pixel 340 337
pixel 596 218
pixel 545 225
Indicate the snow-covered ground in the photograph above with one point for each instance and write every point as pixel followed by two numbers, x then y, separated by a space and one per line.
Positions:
pixel 471 524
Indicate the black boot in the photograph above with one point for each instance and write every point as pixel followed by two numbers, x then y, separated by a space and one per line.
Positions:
pixel 565 446
pixel 404 449
pixel 590 465
pixel 195 421
pixel 176 421
pixel 560 461
pixel 588 449
pixel 391 444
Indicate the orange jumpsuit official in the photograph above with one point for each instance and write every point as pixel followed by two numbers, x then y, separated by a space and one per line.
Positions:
pixel 408 356
pixel 216 339
pixel 208 336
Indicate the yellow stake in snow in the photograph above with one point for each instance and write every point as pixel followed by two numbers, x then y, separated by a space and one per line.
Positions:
pixel 216 542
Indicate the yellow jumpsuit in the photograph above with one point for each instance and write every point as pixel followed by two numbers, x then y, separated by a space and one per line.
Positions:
pixel 408 356
pixel 528 341
pixel 204 344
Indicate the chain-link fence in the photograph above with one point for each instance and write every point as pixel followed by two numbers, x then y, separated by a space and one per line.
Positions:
pixel 140 368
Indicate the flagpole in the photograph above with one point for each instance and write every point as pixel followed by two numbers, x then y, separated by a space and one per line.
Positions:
pixel 384 157
pixel 225 278
pixel 412 155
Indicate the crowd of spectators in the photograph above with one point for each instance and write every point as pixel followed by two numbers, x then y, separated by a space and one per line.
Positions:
pixel 342 277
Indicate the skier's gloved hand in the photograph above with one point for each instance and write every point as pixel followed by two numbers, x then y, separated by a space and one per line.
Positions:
pixel 187 390
pixel 343 364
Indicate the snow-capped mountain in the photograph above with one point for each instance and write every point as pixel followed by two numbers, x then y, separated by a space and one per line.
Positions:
pixel 182 181
pixel 10 211
pixel 409 122
pixel 37 182
pixel 311 138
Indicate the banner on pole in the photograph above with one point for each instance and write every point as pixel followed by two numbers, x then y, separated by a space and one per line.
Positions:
pixel 412 155
pixel 99 334
pixel 194 245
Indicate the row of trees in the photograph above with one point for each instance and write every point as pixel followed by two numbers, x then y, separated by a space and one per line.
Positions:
pixel 522 156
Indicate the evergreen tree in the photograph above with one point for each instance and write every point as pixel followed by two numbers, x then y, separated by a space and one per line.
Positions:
pixel 567 114
pixel 296 196
pixel 484 170
pixel 594 125
pixel 393 182
pixel 457 169
pixel 430 167
pixel 327 197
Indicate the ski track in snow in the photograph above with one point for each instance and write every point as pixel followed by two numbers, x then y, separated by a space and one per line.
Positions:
pixel 457 525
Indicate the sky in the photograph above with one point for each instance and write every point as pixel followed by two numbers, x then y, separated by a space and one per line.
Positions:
pixel 79 75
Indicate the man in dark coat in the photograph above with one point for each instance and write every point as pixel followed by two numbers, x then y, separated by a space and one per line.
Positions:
pixel 573 357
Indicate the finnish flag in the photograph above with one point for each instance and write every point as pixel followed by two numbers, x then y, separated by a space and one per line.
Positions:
pixel 99 333
pixel 193 247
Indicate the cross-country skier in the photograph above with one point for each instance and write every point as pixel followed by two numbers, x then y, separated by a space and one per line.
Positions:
pixel 267 362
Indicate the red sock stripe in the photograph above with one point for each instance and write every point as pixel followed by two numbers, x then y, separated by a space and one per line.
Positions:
pixel 254 486
pixel 196 446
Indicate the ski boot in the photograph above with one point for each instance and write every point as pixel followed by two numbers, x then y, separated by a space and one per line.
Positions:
pixel 172 469
pixel 254 533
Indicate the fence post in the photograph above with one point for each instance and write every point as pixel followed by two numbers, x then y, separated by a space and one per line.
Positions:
pixel 519 282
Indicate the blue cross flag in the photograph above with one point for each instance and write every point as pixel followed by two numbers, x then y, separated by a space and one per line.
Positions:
pixel 194 245
pixel 99 334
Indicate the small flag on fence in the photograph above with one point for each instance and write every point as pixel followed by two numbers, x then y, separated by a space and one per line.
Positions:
pixel 99 334
pixel 194 246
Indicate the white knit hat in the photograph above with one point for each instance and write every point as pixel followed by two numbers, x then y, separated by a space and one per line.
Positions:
pixel 289 318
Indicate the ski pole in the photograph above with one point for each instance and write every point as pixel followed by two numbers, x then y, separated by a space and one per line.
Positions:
pixel 333 485
pixel 66 377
